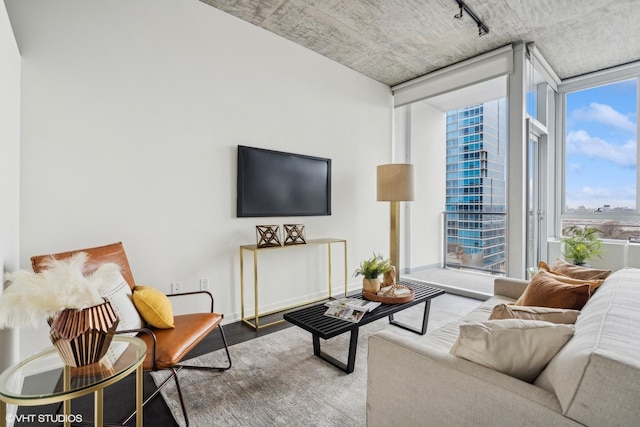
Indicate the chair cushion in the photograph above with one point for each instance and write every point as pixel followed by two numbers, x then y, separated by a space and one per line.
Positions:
pixel 154 306
pixel 174 344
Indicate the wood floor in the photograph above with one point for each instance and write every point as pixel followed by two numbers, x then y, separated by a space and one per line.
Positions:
pixel 119 398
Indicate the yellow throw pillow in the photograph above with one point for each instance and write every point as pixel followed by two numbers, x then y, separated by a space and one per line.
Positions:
pixel 547 314
pixel 154 307
pixel 546 290
pixel 577 271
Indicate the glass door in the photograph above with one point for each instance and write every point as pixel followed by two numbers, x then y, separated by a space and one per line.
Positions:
pixel 536 200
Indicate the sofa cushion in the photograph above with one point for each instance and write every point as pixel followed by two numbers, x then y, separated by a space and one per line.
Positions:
pixel 443 338
pixel 548 290
pixel 547 314
pixel 576 271
pixel 519 348
pixel 596 376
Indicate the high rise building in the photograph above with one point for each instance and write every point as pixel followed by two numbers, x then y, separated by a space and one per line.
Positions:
pixel 476 193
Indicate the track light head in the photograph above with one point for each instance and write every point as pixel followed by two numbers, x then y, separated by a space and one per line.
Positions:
pixel 482 29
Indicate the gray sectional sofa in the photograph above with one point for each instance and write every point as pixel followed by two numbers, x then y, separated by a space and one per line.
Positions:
pixel 593 380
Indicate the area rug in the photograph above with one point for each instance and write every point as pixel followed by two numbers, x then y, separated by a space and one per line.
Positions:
pixel 276 380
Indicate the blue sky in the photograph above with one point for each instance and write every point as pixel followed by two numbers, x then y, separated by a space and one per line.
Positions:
pixel 602 146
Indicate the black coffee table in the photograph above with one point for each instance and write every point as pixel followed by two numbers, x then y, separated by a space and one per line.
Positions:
pixel 312 319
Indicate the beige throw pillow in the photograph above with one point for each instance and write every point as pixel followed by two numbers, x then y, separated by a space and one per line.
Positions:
pixel 577 271
pixel 519 348
pixel 547 314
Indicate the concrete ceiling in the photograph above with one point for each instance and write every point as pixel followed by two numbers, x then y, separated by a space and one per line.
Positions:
pixel 393 41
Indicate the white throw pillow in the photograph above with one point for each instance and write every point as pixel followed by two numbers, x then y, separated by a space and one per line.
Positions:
pixel 519 348
pixel 119 294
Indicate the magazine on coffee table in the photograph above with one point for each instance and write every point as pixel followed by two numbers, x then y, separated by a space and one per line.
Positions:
pixel 349 309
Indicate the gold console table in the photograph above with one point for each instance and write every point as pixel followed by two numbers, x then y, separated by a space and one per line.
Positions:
pixel 254 321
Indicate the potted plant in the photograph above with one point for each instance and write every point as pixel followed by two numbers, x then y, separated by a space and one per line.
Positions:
pixel 371 269
pixel 82 321
pixel 581 243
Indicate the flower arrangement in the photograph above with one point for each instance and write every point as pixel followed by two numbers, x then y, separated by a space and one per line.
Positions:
pixel 581 243
pixel 373 267
pixel 33 297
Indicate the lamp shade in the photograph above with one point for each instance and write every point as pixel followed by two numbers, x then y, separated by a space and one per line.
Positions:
pixel 395 182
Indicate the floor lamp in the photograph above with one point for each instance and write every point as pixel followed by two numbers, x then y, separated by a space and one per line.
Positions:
pixel 395 185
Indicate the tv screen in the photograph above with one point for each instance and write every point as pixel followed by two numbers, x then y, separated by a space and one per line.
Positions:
pixel 275 183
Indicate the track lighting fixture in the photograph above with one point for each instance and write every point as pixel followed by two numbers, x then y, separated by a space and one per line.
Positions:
pixel 459 15
pixel 482 29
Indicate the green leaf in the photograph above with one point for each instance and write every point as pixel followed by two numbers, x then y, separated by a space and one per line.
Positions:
pixel 373 267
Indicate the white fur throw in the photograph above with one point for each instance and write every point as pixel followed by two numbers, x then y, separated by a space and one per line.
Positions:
pixel 34 297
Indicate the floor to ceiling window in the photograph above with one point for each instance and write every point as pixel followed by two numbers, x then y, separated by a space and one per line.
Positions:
pixel 475 210
pixel 457 143
pixel 600 159
pixel 570 157
pixel 464 129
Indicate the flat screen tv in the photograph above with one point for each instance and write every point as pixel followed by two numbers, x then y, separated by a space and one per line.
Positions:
pixel 275 183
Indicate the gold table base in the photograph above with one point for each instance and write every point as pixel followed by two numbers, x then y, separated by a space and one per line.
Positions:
pixel 73 383
pixel 254 321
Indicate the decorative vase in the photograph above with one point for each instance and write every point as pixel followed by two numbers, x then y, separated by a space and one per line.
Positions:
pixel 371 285
pixel 389 278
pixel 82 337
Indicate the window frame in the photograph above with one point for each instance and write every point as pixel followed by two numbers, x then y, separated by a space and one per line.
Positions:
pixel 617 75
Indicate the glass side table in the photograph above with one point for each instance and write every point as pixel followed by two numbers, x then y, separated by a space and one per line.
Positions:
pixel 43 379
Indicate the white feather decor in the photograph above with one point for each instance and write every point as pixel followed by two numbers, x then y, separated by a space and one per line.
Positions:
pixel 31 297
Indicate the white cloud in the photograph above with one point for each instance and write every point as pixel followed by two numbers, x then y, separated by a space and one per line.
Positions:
pixel 580 142
pixel 576 167
pixel 595 192
pixel 595 197
pixel 605 114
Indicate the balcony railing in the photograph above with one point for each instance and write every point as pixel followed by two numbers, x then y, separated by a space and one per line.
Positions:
pixel 475 241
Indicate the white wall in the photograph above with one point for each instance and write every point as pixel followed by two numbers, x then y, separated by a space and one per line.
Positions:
pixel 428 152
pixel 9 170
pixel 132 110
pixel 616 254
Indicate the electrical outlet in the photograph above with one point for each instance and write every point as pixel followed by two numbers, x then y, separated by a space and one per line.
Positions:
pixel 176 287
pixel 204 284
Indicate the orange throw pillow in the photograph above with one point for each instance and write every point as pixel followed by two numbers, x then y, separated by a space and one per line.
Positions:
pixel 545 290
pixel 594 283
